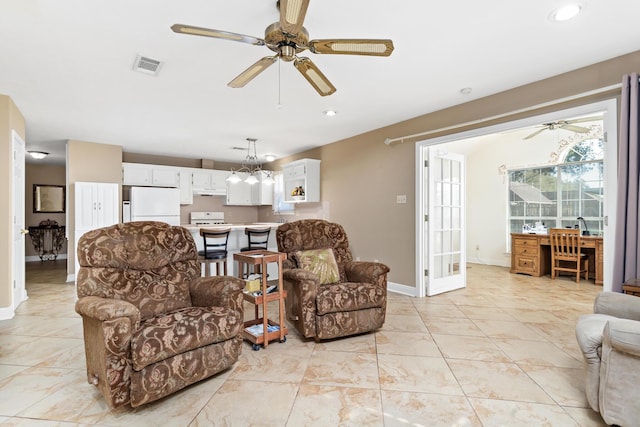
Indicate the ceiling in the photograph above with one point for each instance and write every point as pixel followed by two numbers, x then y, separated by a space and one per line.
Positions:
pixel 68 66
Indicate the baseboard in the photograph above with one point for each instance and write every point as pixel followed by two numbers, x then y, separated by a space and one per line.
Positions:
pixel 497 262
pixel 71 278
pixel 33 258
pixel 7 313
pixel 401 289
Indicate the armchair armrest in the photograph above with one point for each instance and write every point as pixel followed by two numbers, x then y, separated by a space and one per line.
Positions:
pixel 302 288
pixel 618 305
pixel 219 291
pixel 102 309
pixel 366 272
pixel 622 335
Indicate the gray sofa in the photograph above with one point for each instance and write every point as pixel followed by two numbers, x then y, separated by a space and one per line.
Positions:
pixel 610 343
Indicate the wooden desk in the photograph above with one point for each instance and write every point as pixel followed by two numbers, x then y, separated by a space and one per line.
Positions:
pixel 531 254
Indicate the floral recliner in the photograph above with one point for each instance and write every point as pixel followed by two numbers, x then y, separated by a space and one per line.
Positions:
pixel 328 294
pixel 152 325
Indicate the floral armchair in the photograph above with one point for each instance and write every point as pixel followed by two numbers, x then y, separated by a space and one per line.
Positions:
pixel 152 325
pixel 328 294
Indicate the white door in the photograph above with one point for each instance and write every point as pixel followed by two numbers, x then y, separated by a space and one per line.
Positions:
pixel 445 222
pixel 19 231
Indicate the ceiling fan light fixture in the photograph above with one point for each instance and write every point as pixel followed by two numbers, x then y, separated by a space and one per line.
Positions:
pixel 38 155
pixel 566 12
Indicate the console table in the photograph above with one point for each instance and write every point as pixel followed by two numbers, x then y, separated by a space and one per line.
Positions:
pixel 47 238
pixel 531 254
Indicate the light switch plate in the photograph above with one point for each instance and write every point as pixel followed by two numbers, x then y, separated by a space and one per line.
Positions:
pixel 401 199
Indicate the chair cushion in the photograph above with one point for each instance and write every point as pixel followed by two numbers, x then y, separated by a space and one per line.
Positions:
pixel 339 297
pixel 180 331
pixel 321 262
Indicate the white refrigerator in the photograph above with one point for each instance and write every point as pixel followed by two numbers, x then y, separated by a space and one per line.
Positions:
pixel 155 204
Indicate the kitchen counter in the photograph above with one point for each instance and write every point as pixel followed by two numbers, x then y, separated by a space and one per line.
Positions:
pixel 233 227
pixel 237 240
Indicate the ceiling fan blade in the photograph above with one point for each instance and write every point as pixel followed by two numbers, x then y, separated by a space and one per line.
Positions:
pixel 216 34
pixel 574 128
pixel 292 13
pixel 250 73
pixel 314 76
pixel 372 47
pixel 536 133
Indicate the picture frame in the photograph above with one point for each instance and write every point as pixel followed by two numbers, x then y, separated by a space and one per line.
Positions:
pixel 48 198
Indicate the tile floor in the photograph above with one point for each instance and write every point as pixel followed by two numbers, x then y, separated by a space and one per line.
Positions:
pixel 501 352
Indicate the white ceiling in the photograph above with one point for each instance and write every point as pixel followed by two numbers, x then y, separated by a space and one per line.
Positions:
pixel 67 64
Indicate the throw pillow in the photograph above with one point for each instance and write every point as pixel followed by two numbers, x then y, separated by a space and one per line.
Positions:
pixel 322 262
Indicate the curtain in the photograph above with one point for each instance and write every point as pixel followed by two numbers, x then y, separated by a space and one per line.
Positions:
pixel 626 256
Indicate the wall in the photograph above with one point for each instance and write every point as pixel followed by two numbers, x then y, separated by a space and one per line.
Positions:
pixel 10 119
pixel 88 162
pixel 47 175
pixel 361 176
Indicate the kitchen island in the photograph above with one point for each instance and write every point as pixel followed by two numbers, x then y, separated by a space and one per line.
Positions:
pixel 237 240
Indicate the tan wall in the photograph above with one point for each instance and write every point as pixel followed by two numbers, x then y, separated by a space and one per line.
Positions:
pixel 361 176
pixel 89 162
pixel 47 175
pixel 10 119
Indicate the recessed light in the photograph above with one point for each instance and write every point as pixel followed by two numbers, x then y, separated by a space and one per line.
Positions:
pixel 566 12
pixel 330 113
pixel 465 90
pixel 269 157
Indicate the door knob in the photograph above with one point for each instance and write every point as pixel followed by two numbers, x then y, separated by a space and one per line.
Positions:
pixel 23 231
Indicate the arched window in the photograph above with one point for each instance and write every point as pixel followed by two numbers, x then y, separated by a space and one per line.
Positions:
pixel 558 195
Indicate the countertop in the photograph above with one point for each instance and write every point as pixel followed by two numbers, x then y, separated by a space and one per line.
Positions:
pixel 241 226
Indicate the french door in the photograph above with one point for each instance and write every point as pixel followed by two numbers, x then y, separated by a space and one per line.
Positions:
pixel 444 223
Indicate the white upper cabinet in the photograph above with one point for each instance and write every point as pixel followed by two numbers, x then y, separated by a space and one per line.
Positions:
pixel 150 175
pixel 209 181
pixel 257 194
pixel 302 181
pixel 186 189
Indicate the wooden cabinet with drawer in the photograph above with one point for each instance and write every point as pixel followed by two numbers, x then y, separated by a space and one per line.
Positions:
pixel 525 255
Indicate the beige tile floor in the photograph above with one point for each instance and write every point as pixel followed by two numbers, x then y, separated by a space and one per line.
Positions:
pixel 501 352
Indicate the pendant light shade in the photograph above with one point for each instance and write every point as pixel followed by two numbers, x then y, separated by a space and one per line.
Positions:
pixel 251 167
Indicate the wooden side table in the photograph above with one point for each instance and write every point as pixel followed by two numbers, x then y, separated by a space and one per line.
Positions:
pixel 631 287
pixel 270 330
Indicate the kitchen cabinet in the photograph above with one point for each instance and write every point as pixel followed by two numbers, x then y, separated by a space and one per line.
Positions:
pixel 185 186
pixel 96 205
pixel 241 193
pixel 209 181
pixel 305 174
pixel 149 175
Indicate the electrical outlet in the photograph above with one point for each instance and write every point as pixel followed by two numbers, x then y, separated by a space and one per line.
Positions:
pixel 477 247
pixel 401 199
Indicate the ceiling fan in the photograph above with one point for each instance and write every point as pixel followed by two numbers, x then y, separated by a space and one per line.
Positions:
pixel 563 124
pixel 287 38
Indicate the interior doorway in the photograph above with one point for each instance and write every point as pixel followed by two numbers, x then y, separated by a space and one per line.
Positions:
pixel 493 189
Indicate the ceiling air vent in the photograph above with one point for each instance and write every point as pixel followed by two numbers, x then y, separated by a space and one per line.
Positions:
pixel 146 65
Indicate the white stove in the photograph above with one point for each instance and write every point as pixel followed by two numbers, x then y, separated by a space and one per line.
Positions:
pixel 206 218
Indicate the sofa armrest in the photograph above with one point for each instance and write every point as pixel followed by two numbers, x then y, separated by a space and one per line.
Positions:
pixel 366 272
pixel 103 309
pixel 302 289
pixel 219 291
pixel 622 335
pixel 622 306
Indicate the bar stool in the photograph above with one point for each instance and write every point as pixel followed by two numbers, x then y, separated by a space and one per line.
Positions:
pixel 215 249
pixel 257 238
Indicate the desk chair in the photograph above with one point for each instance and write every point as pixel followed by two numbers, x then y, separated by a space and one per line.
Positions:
pixel 215 249
pixel 566 253
pixel 258 239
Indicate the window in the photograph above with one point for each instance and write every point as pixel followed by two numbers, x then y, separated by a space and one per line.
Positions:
pixel 279 205
pixel 557 195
